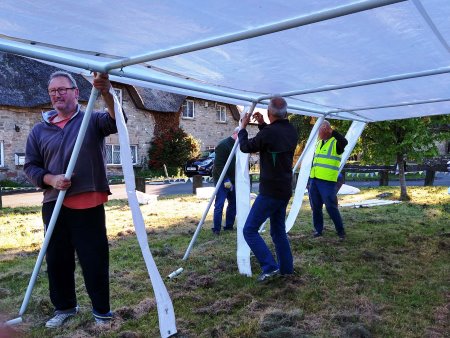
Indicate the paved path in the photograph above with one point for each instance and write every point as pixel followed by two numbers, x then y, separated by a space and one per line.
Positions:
pixel 119 192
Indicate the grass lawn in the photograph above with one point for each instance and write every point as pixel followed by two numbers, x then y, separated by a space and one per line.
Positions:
pixel 389 278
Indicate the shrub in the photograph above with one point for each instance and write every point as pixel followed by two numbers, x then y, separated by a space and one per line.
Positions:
pixel 172 147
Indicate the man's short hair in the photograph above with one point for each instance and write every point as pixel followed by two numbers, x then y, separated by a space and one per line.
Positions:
pixel 61 73
pixel 326 123
pixel 278 107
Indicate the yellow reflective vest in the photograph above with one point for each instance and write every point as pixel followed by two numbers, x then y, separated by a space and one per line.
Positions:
pixel 326 161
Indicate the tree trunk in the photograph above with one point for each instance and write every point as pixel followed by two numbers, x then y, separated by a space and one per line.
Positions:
pixel 401 175
pixel 383 178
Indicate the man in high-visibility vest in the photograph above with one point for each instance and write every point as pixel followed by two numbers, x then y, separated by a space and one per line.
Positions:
pixel 324 177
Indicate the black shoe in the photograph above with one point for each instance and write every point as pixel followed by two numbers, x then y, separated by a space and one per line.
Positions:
pixel 266 276
pixel 341 238
pixel 317 234
pixel 228 229
pixel 216 232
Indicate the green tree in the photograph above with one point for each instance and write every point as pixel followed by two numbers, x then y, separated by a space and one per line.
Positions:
pixel 303 125
pixel 172 147
pixel 399 141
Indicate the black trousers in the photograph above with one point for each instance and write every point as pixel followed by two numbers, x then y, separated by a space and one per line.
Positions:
pixel 84 232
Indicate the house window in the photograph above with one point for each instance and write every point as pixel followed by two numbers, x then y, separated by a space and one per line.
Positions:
pixel 2 159
pixel 188 109
pixel 19 158
pixel 221 113
pixel 113 154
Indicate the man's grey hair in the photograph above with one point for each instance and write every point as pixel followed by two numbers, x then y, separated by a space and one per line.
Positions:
pixel 277 107
pixel 61 73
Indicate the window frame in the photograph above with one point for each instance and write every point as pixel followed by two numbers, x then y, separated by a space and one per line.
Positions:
pixel 2 154
pixel 220 108
pixel 115 148
pixel 184 108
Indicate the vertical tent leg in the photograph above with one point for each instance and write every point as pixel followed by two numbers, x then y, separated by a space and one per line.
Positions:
pixel 243 190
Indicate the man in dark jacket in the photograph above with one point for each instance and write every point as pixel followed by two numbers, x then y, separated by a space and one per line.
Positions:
pixel 80 226
pixel 226 189
pixel 276 144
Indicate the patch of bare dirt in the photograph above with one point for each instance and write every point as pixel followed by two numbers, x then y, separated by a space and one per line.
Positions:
pixel 441 327
pixel 195 281
pixel 9 332
pixel 220 306
pixel 276 323
pixel 136 311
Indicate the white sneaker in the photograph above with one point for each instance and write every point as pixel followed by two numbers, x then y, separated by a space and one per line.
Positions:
pixel 102 320
pixel 59 319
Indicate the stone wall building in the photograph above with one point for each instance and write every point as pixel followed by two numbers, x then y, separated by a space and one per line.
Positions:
pixel 23 97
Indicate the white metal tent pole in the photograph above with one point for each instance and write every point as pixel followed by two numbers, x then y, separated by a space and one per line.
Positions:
pixel 242 191
pixel 311 139
pixel 405 76
pixel 336 111
pixel 59 201
pixel 431 24
pixel 352 136
pixel 219 182
pixel 204 89
pixel 48 55
pixel 303 177
pixel 255 32
pixel 89 65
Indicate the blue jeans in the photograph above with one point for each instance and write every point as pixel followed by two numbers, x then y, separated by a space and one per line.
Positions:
pixel 324 192
pixel 222 194
pixel 263 208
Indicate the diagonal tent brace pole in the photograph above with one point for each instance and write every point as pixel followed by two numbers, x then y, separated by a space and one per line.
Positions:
pixel 59 201
pixel 311 137
pixel 303 176
pixel 352 136
pixel 202 220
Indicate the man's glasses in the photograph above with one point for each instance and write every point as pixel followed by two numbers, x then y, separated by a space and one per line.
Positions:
pixel 61 91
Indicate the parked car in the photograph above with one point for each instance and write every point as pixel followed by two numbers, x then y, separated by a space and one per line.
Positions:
pixel 200 166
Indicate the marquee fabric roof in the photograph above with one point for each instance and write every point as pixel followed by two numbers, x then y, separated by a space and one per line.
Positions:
pixel 369 60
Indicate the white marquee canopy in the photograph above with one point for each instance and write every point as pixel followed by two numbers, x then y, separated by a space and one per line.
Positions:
pixel 369 60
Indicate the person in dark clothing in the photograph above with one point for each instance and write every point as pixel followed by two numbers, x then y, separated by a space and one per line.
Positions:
pixel 276 144
pixel 80 226
pixel 226 189
pixel 324 177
